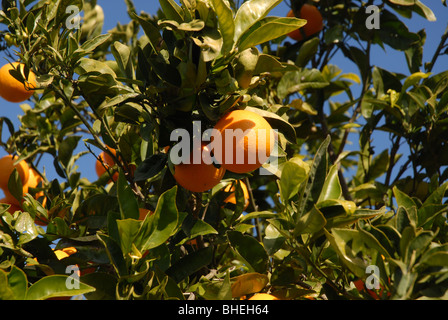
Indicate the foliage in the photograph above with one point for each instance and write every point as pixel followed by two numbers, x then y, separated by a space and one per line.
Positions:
pixel 311 228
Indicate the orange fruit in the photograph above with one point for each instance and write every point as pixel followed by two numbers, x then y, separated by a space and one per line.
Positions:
pixel 232 199
pixel 360 286
pixel 263 296
pixel 246 141
pixel 106 162
pixel 13 90
pixel 198 177
pixel 7 167
pixel 143 213
pixel 13 207
pixel 314 22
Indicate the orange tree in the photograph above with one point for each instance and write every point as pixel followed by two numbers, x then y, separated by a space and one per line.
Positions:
pixel 310 231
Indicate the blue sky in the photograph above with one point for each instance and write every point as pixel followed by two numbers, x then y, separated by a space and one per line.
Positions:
pixel 115 11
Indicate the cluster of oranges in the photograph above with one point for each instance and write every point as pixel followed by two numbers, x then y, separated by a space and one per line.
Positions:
pixel 28 176
pixel 200 177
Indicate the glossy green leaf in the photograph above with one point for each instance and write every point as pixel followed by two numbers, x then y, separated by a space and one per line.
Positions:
pixel 256 214
pixel 291 179
pixel 249 250
pixel 126 199
pixel 91 44
pixel 424 11
pixel 310 223
pixel 307 51
pixel 190 264
pixel 158 227
pixel 403 199
pixel 295 81
pixel 332 187
pixel 268 29
pixel 104 284
pixel 316 179
pixel 276 122
pixel 338 239
pixel 226 23
pixel 172 10
pixel 151 31
pixel 56 286
pixel 17 282
pixel 114 253
pixel 122 54
pixel 251 12
pixel 6 292
pixel 128 230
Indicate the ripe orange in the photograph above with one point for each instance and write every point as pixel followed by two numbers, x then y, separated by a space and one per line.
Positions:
pixel 360 286
pixel 232 199
pixel 7 167
pixel 33 182
pixel 143 213
pixel 246 141
pixel 263 296
pixel 106 162
pixel 13 90
pixel 314 22
pixel 198 177
pixel 13 207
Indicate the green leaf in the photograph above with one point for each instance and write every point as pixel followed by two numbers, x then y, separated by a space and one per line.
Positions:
pixel 201 228
pixel 86 65
pixel 251 12
pixel 114 253
pixel 291 179
pixel 307 51
pixel 257 214
pixel 277 123
pixel 316 179
pixel 332 188
pixel 128 230
pixel 15 186
pixel 104 284
pixel 90 45
pixel 190 263
pixel 310 223
pixel 424 11
pixel 6 292
pixel 172 10
pixel 158 227
pixel 295 81
pixel 249 250
pixel 122 54
pixel 403 199
pixel 226 23
pixel 126 199
pixel 17 283
pixel 268 29
pixel 339 239
pixel 395 33
pixel 150 167
pixel 151 31
pixel 56 286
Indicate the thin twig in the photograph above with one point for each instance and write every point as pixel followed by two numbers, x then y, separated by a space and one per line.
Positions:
pixel 254 205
